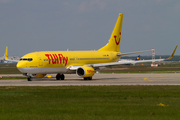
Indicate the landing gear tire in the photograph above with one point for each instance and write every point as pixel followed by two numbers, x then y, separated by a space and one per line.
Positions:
pixel 29 78
pixel 60 76
pixel 87 78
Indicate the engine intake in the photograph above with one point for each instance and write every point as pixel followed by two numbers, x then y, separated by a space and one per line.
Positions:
pixel 85 71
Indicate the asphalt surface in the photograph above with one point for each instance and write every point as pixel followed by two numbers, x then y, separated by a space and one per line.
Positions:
pixel 98 80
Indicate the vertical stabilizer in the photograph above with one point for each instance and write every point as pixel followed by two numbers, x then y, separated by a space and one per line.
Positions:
pixel 6 53
pixel 115 39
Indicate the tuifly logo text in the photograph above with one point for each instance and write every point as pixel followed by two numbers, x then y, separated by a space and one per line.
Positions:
pixel 57 59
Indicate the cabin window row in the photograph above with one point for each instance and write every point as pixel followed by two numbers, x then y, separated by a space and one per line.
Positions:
pixel 90 59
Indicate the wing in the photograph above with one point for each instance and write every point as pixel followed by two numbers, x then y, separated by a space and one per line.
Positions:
pixel 133 62
pixel 124 63
pixel 97 66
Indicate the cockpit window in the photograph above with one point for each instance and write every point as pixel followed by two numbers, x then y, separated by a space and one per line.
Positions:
pixel 30 59
pixel 26 59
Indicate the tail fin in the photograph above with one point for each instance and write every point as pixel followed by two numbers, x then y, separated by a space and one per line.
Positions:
pixel 115 39
pixel 6 53
pixel 137 58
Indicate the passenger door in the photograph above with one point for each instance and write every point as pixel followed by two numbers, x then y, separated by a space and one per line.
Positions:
pixel 40 60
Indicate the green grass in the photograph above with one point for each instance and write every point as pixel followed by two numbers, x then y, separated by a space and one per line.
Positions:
pixel 9 71
pixel 90 102
pixel 7 65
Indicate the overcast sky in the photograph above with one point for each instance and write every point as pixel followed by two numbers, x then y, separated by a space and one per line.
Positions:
pixel 45 25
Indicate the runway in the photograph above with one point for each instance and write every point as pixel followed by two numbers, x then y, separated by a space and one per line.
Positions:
pixel 99 80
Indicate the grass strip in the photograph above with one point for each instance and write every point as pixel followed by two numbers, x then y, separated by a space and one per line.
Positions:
pixel 90 102
pixel 9 71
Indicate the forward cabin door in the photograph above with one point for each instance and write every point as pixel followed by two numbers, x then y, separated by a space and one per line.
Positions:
pixel 40 60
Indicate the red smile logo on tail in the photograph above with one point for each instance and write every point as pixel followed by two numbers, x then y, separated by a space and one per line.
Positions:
pixel 117 42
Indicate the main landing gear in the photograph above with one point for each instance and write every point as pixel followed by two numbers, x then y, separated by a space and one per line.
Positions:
pixel 60 76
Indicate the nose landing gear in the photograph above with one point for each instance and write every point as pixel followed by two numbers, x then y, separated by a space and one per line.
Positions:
pixel 29 78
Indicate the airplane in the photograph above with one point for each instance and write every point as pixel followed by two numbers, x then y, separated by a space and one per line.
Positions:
pixel 138 57
pixel 82 63
pixel 6 58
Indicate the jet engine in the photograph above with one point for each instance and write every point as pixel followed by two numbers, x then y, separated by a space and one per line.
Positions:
pixel 85 71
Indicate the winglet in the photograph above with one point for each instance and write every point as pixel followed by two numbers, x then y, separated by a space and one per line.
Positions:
pixel 172 53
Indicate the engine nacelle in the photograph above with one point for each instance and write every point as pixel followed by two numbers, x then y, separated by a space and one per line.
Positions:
pixel 85 71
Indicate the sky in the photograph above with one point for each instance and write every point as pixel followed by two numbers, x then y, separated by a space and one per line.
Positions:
pixel 50 25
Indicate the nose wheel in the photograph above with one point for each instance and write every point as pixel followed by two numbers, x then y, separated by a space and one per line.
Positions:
pixel 29 78
pixel 60 76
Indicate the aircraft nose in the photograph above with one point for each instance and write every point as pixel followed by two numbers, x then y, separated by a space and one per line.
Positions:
pixel 20 66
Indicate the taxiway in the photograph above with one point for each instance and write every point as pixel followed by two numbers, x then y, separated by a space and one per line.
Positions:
pixel 99 80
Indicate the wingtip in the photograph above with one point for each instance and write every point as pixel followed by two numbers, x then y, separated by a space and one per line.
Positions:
pixel 172 55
